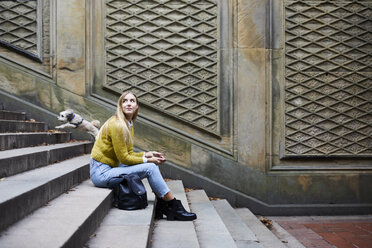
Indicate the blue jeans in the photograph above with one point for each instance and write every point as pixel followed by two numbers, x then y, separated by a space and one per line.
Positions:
pixel 103 175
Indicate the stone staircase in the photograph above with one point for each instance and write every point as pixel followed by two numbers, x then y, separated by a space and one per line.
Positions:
pixel 47 200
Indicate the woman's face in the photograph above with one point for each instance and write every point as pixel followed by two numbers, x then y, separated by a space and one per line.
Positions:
pixel 129 106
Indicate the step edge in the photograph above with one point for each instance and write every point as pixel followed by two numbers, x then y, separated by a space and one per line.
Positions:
pixel 291 241
pixel 19 177
pixel 10 141
pixel 76 239
pixel 85 228
pixel 263 234
pixel 24 150
pixel 77 175
pixel 205 200
pixel 16 163
pixel 24 121
pixel 231 210
pixel 177 188
pixel 149 225
pixel 33 133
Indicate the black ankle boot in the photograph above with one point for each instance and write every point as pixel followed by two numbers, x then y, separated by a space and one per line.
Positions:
pixel 161 208
pixel 176 211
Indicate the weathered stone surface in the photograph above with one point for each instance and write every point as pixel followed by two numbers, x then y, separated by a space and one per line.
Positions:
pixel 15 81
pixel 150 138
pixel 71 45
pixel 251 107
pixel 43 94
pixel 252 23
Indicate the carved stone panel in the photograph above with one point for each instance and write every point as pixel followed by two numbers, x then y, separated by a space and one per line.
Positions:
pixel 166 52
pixel 20 27
pixel 328 78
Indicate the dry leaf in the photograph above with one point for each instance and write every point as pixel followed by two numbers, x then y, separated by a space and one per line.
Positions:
pixel 268 223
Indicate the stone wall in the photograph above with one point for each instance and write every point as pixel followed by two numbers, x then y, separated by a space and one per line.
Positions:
pixel 267 103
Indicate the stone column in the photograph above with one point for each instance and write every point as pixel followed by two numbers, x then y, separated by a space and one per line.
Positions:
pixel 71 45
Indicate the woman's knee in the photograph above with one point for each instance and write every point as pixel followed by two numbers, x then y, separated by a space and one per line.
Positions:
pixel 151 167
pixel 98 182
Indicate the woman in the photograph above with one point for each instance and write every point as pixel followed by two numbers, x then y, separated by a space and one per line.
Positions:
pixel 112 155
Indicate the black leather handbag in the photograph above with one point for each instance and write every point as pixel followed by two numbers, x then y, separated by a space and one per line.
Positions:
pixel 130 193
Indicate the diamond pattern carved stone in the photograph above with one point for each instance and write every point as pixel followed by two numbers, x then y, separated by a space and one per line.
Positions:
pixel 166 52
pixel 328 75
pixel 19 27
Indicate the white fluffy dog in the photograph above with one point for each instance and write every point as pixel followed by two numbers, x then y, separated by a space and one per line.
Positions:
pixel 76 121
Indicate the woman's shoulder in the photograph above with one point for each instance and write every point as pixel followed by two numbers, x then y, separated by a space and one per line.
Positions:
pixel 112 118
pixel 114 121
pixel 115 124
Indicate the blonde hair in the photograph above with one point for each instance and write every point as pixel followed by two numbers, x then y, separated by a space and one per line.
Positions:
pixel 123 121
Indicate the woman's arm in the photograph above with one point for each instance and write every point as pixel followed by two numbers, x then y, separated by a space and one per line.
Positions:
pixel 124 152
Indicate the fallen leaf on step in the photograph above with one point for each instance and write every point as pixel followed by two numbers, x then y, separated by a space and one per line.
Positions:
pixel 268 223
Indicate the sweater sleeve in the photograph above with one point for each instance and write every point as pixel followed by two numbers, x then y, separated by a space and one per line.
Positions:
pixel 123 151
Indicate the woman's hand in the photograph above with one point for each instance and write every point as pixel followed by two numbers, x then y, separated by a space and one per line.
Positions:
pixel 156 160
pixel 155 157
pixel 153 154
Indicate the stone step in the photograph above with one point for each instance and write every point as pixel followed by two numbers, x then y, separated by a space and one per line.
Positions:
pixel 23 159
pixel 67 221
pixel 22 126
pixel 285 237
pixel 11 115
pixel 240 232
pixel 123 228
pixel 210 229
pixel 19 140
pixel 264 235
pixel 23 193
pixel 181 234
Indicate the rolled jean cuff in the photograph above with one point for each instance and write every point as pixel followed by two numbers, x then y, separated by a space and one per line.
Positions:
pixel 161 196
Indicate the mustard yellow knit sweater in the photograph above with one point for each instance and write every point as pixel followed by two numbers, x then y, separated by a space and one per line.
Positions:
pixel 109 147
